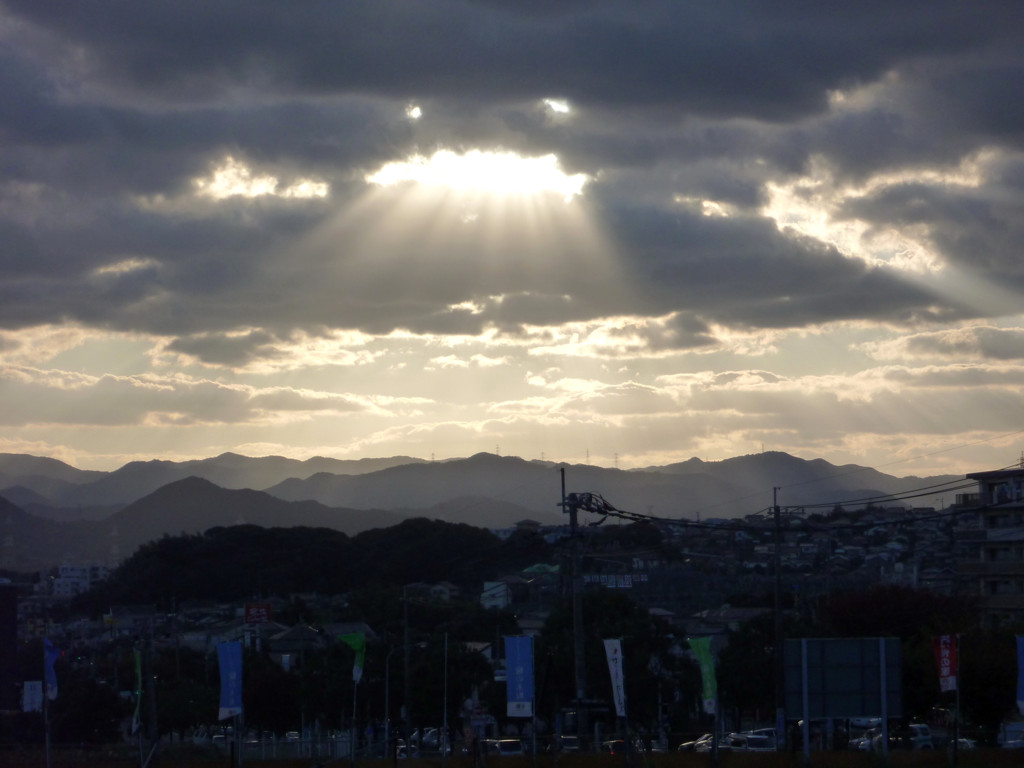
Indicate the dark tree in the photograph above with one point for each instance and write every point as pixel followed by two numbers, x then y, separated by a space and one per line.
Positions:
pixel 651 670
pixel 86 711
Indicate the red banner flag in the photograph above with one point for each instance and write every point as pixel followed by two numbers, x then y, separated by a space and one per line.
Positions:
pixel 945 658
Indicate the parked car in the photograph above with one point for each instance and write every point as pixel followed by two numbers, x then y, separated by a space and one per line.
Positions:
pixel 614 746
pixel 863 742
pixel 403 750
pixel 504 747
pixel 913 736
pixel 564 743
pixel 691 746
pixel 724 744
pixel 749 742
pixel 921 736
pixel 1010 730
pixel 765 739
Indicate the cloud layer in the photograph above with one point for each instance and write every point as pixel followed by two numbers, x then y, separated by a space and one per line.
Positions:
pixel 717 228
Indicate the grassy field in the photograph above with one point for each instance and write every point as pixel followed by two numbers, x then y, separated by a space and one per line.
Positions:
pixel 108 758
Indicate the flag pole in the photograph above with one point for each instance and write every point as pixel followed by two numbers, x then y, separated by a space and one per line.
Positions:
pixel 354 736
pixel 46 707
pixel 956 711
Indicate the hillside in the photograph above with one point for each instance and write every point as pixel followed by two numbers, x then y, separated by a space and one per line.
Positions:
pixel 190 506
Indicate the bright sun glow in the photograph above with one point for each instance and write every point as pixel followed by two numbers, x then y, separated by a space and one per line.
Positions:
pixel 557 105
pixel 477 171
pixel 235 179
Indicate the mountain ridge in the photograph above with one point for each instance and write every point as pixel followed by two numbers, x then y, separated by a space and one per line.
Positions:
pixel 484 490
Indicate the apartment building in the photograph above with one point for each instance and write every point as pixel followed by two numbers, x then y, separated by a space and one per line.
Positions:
pixel 998 567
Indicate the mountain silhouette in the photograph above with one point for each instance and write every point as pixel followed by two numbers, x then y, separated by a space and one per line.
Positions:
pixel 484 490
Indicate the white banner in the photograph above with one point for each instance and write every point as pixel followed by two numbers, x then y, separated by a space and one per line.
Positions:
pixel 613 652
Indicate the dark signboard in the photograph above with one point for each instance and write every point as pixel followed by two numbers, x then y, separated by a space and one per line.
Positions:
pixel 843 677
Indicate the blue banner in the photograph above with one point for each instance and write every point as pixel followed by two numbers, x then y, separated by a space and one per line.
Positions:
pixel 1020 673
pixel 230 657
pixel 50 655
pixel 519 675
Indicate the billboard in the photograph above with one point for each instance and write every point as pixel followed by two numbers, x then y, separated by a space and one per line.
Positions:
pixel 843 677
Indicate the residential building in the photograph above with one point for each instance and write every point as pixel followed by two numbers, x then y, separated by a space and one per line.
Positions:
pixel 75 579
pixel 999 568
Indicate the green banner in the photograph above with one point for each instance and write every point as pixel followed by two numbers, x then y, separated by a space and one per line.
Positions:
pixel 705 658
pixel 357 642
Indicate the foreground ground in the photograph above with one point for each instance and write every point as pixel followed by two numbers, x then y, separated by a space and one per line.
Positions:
pixel 981 758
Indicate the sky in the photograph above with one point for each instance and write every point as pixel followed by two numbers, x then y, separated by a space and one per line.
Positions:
pixel 581 231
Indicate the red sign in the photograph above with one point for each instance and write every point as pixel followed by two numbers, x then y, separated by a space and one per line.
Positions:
pixel 945 658
pixel 257 613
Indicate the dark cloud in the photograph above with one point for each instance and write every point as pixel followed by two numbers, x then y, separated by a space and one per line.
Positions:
pixel 746 272
pixel 110 116
pixel 221 349
pixel 980 229
pixel 728 58
pixel 972 343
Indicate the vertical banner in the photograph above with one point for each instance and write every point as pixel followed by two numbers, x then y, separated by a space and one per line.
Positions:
pixel 702 650
pixel 50 655
pixel 357 642
pixel 519 675
pixel 137 715
pixel 229 655
pixel 946 660
pixel 1020 673
pixel 613 653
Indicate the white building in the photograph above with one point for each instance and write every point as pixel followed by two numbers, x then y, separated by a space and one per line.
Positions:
pixel 75 579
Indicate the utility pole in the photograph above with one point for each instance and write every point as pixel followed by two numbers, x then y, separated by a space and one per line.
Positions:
pixel 406 682
pixel 577 611
pixel 780 711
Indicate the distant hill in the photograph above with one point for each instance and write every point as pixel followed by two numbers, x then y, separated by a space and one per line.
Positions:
pixel 192 505
pixel 30 543
pixel 484 490
pixel 695 488
pixel 689 489
pixel 20 465
pixel 64 486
